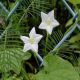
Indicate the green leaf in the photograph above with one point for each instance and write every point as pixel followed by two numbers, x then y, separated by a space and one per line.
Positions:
pixel 27 56
pixel 10 59
pixel 55 68
pixel 11 54
pixel 79 16
pixel 75 38
pixel 75 1
pixel 69 22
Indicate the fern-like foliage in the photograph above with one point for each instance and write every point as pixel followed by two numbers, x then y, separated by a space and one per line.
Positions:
pixel 70 50
pixel 52 41
pixel 11 54
pixel 10 59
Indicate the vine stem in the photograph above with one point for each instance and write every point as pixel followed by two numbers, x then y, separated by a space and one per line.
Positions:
pixel 25 12
pixel 13 10
pixel 4 76
pixel 46 42
pixel 24 73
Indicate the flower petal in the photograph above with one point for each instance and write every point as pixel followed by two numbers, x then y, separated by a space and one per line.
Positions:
pixel 43 16
pixel 26 47
pixel 42 26
pixel 51 14
pixel 49 30
pixel 38 38
pixel 32 32
pixel 24 39
pixel 35 48
pixel 55 23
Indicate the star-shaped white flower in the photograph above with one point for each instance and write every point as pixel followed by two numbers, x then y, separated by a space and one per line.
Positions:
pixel 48 21
pixel 31 42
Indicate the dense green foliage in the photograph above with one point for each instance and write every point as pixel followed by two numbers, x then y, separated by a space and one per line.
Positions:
pixel 59 70
pixel 17 17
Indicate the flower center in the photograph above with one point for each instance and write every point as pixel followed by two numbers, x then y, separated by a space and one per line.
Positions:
pixel 31 40
pixel 48 21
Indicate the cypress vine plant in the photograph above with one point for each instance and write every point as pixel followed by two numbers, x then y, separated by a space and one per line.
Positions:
pixel 17 18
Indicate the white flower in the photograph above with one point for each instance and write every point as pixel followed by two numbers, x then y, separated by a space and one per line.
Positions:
pixel 31 42
pixel 48 21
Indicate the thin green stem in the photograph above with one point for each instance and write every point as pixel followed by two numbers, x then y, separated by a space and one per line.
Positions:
pixel 7 2
pixel 5 40
pixel 24 73
pixel 36 58
pixel 26 11
pixel 46 43
pixel 4 76
pixel 13 10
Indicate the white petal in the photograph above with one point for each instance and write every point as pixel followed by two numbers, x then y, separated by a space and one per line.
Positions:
pixel 51 14
pixel 32 32
pixel 24 39
pixel 55 23
pixel 35 48
pixel 42 26
pixel 49 30
pixel 26 47
pixel 38 38
pixel 43 16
